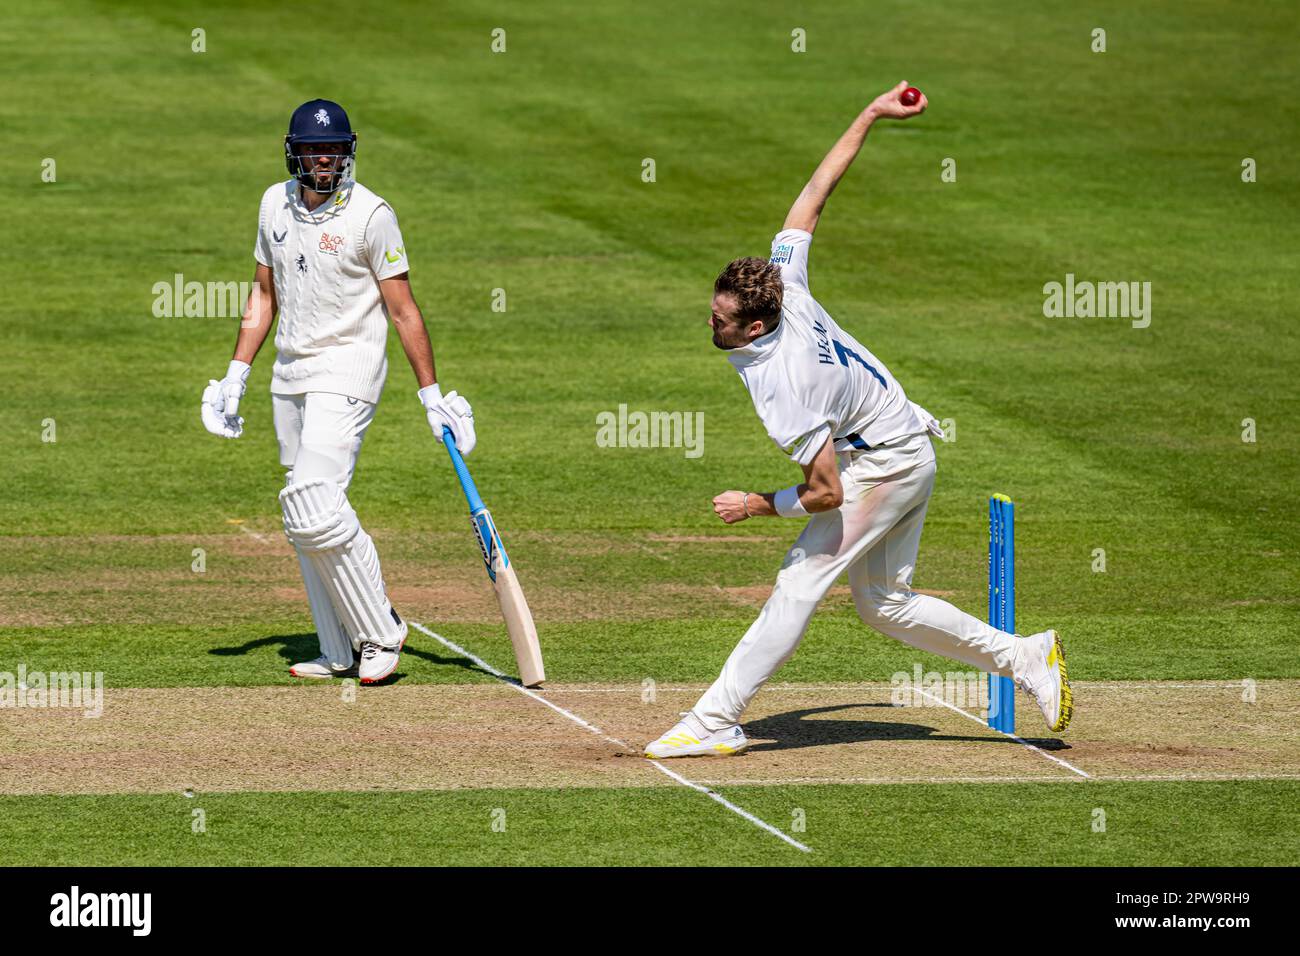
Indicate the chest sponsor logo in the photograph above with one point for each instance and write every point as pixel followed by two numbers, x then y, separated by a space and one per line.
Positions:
pixel 330 245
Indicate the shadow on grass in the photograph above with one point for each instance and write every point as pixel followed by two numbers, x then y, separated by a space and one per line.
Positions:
pixel 795 729
pixel 304 647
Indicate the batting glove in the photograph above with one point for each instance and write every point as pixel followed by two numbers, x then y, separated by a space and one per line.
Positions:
pixel 450 410
pixel 219 408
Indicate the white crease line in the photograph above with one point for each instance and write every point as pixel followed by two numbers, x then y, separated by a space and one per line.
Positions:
pixel 1045 778
pixel 637 689
pixel 713 795
pixel 969 716
pixel 1167 685
pixel 716 797
pixel 256 537
pixel 881 685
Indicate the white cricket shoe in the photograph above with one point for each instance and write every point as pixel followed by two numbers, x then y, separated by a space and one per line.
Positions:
pixel 377 661
pixel 322 669
pixel 1046 681
pixel 689 739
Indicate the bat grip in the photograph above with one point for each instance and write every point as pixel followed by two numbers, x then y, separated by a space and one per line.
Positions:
pixel 466 482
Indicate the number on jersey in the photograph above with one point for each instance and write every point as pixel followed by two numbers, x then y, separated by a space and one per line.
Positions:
pixel 846 354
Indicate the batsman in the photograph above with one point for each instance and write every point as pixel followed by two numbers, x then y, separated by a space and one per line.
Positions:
pixel 868 471
pixel 332 262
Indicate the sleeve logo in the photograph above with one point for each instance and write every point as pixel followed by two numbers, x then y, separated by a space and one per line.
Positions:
pixel 782 253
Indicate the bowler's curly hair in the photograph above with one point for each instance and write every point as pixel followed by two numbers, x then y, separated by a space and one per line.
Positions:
pixel 756 286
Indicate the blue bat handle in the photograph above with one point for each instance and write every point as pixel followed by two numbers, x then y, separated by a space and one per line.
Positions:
pixel 466 482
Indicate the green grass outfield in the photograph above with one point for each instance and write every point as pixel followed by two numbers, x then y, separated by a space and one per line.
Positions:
pixel 521 171
pixel 1148 824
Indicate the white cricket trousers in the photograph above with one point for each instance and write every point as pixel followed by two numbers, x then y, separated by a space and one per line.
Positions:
pixel 320 436
pixel 874 536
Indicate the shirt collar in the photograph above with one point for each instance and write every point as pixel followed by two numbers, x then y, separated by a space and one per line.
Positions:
pixel 336 201
pixel 758 350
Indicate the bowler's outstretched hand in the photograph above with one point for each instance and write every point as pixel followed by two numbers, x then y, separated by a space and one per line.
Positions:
pixel 890 105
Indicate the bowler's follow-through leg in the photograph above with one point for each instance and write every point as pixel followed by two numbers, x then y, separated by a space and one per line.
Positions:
pixel 875 535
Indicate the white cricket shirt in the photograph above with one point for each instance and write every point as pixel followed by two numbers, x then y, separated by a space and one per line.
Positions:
pixel 327 264
pixel 809 379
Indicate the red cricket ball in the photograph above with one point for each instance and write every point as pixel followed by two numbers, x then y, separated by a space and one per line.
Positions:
pixel 910 96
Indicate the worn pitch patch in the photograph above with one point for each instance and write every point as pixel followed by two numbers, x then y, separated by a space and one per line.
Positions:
pixel 304 738
pixel 851 733
pixel 488 736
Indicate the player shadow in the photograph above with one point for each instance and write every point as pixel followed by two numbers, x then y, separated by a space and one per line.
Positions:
pixel 794 729
pixel 462 662
pixel 304 647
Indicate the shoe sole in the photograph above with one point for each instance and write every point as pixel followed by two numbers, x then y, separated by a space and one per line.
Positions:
pixel 388 673
pixel 294 673
pixel 713 750
pixel 1067 696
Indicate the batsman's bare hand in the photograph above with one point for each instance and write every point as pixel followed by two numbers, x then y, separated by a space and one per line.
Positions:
pixel 890 106
pixel 730 506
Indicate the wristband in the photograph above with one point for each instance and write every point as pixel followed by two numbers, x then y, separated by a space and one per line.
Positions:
pixel 787 503
pixel 429 395
pixel 744 503
pixel 238 370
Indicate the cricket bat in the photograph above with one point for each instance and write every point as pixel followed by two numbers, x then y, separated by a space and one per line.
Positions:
pixel 514 607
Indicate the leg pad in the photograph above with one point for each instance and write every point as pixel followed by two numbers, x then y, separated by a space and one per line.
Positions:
pixel 325 530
